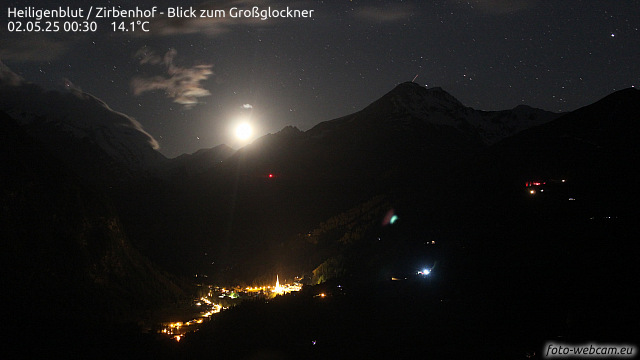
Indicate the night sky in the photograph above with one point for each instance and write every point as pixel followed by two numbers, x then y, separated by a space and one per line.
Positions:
pixel 190 81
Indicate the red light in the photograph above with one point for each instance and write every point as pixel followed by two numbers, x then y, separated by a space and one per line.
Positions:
pixel 270 176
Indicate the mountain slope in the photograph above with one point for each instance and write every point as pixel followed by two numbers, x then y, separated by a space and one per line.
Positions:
pixel 503 262
pixel 594 148
pixel 198 162
pixel 244 208
pixel 67 262
pixel 436 107
pixel 80 130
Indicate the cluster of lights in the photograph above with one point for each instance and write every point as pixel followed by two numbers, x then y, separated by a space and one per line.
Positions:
pixel 216 309
pixel 531 184
pixel 177 329
pixel 536 183
pixel 424 272
pixel 206 301
pixel 286 288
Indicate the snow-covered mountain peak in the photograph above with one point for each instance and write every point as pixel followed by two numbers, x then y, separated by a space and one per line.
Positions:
pixel 417 100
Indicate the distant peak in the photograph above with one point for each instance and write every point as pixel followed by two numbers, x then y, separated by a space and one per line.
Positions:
pixel 217 148
pixel 522 107
pixel 415 90
pixel 289 130
pixel 409 84
pixel 408 87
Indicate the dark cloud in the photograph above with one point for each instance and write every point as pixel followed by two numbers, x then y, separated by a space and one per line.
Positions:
pixel 499 7
pixel 179 83
pixel 209 27
pixel 384 14
pixel 31 47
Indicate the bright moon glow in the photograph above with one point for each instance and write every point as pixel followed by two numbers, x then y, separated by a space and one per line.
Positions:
pixel 244 131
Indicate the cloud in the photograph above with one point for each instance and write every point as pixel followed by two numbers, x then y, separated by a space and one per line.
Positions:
pixel 8 77
pixel 247 106
pixel 134 124
pixel 179 83
pixel 384 14
pixel 499 7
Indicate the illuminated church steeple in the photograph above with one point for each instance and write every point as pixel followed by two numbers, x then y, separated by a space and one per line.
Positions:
pixel 278 289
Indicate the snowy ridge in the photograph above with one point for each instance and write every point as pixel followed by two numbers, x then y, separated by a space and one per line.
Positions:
pixel 437 107
pixel 79 115
pixel 494 126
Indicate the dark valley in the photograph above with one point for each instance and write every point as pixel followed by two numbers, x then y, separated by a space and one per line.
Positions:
pixel 416 226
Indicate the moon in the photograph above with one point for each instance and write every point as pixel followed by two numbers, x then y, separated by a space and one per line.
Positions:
pixel 243 131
